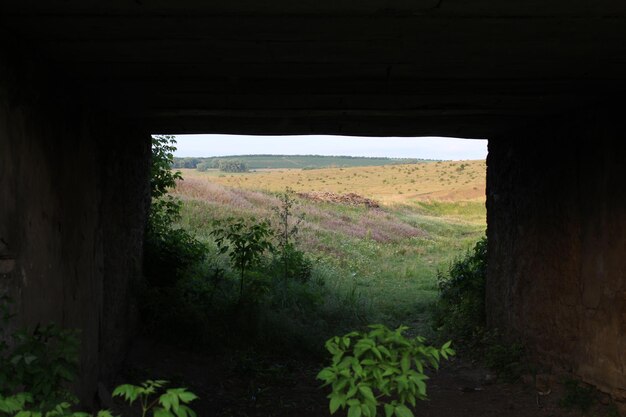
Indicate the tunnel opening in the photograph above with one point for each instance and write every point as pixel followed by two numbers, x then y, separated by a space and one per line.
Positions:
pixel 382 191
pixel 362 229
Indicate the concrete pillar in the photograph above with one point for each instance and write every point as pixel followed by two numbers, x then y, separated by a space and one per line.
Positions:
pixel 74 193
pixel 556 200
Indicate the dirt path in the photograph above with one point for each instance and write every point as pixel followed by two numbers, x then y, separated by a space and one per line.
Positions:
pixel 238 385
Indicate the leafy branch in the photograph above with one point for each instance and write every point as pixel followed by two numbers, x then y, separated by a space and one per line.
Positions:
pixel 379 367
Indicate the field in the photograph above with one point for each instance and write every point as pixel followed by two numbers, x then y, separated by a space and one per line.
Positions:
pixel 460 181
pixel 382 261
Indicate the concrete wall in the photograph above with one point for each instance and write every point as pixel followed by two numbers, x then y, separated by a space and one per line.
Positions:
pixel 74 189
pixel 557 243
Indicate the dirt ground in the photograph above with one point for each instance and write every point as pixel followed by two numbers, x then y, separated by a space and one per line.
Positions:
pixel 241 384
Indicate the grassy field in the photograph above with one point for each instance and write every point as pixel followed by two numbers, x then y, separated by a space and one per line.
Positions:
pixel 380 264
pixel 302 161
pixel 455 182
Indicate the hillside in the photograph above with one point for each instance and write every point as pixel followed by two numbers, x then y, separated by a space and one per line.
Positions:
pixel 298 161
pixel 389 184
pixel 384 230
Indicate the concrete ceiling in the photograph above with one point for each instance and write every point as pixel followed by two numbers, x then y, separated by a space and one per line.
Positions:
pixel 468 68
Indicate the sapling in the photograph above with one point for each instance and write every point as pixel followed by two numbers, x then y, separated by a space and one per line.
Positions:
pixel 379 367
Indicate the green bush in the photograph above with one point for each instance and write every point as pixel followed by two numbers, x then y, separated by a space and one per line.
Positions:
pixel 460 313
pixel 379 367
pixel 293 263
pixel 245 242
pixel 460 309
pixel 39 366
pixel 168 251
pixel 42 360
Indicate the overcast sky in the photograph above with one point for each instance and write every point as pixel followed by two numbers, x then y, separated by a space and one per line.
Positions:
pixel 422 147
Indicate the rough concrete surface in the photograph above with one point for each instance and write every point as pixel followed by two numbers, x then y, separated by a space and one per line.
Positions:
pixel 557 239
pixel 74 197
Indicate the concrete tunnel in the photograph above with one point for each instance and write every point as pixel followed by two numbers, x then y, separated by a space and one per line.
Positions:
pixel 83 83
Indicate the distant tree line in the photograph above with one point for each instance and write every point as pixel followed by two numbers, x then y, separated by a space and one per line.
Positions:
pixel 224 165
pixel 187 162
pixel 237 163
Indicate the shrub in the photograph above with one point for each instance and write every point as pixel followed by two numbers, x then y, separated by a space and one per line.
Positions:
pixel 460 309
pixel 460 313
pixel 168 250
pixel 379 367
pixel 293 263
pixel 42 360
pixel 38 368
pixel 244 242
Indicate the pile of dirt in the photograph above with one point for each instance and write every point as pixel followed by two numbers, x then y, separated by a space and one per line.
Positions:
pixel 350 199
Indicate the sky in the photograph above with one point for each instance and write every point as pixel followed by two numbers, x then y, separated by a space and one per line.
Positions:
pixel 394 147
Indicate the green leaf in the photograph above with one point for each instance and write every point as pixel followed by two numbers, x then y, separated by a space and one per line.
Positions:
pixel 128 392
pixel 28 359
pixel 326 374
pixel 352 391
pixel 335 403
pixel 354 411
pixel 405 363
pixel 184 411
pixel 419 366
pixel 421 387
pixel 187 396
pixel 403 411
pixel 389 409
pixel 161 412
pixel 340 384
pixel 377 353
pixel 367 393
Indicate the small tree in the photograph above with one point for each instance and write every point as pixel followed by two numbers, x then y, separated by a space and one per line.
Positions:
pixel 245 244
pixel 294 262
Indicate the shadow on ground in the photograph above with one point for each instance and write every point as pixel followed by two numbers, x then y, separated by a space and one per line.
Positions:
pixel 243 384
